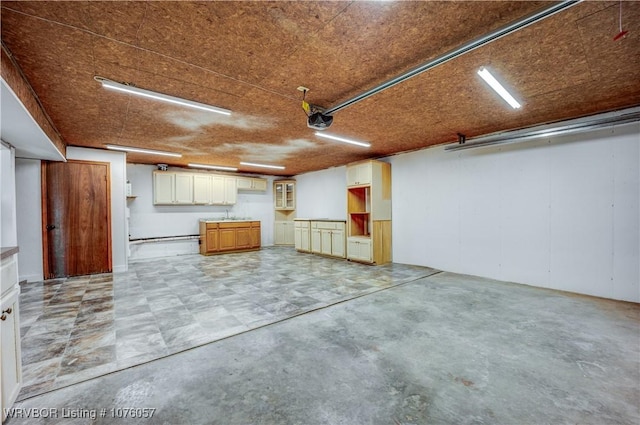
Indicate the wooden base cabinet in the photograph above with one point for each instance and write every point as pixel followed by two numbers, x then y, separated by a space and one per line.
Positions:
pixel 217 237
pixel 359 249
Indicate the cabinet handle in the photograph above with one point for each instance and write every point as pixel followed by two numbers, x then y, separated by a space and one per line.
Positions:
pixel 8 311
pixel 3 317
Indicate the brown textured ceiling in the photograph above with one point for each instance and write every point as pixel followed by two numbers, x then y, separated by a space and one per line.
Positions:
pixel 250 57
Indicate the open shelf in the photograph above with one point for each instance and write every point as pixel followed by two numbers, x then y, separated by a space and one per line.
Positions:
pixel 359 224
pixel 359 199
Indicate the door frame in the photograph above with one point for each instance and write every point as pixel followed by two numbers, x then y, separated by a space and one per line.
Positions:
pixel 46 271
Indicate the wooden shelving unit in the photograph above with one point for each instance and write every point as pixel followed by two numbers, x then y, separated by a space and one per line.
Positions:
pixel 369 212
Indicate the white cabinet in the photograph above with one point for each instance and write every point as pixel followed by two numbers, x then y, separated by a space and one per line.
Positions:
pixel 316 240
pixel 284 194
pixel 177 188
pixel 201 189
pixel 359 249
pixel 302 235
pixel 10 362
pixel 223 190
pixel 327 237
pixel 284 233
pixel 359 174
pixel 163 188
pixel 252 183
pixel 172 188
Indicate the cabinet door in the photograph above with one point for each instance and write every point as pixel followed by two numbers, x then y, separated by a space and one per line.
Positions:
pixel 244 183
pixel 243 238
pixel 325 241
pixel 278 236
pixel 297 238
pixel 217 190
pixel 212 240
pixel 163 188
pixel 230 190
pixel 337 243
pixel 289 237
pixel 201 189
pixel 304 239
pixel 279 195
pixel 11 365
pixel 316 240
pixel 184 188
pixel 359 249
pixel 359 174
pixel 255 236
pixel 227 239
pixel 259 184
pixel 289 196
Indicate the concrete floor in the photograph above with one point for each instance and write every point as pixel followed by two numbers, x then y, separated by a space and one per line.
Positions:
pixel 443 349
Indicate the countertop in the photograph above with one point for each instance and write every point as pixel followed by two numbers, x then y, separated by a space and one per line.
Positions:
pixel 318 219
pixel 229 220
pixel 7 251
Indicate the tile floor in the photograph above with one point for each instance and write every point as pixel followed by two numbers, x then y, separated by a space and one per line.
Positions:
pixel 78 328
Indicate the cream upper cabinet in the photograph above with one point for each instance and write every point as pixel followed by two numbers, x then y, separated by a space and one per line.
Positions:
pixel 184 188
pixel 223 190
pixel 359 174
pixel 201 189
pixel 252 183
pixel 230 190
pixel 172 188
pixel 284 194
pixel 163 188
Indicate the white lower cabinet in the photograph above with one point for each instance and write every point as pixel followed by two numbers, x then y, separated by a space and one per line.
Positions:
pixel 327 238
pixel 10 363
pixel 359 249
pixel 302 235
pixel 284 233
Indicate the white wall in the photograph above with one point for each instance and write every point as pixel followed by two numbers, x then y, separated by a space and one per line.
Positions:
pixel 151 221
pixel 561 213
pixel 117 161
pixel 322 194
pixel 8 233
pixel 29 219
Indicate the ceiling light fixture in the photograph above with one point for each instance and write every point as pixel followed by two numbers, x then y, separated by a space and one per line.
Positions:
pixel 253 164
pixel 342 139
pixel 159 96
pixel 213 167
pixel 140 150
pixel 498 88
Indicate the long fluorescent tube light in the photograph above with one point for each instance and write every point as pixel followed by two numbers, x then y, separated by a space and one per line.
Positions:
pixel 253 164
pixel 213 167
pixel 495 85
pixel 342 139
pixel 140 150
pixel 159 96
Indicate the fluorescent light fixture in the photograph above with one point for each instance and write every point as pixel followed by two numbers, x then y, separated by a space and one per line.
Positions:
pixel 140 150
pixel 159 96
pixel 342 139
pixel 213 167
pixel 253 164
pixel 495 85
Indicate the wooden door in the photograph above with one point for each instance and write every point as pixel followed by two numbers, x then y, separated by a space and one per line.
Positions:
pixel 76 214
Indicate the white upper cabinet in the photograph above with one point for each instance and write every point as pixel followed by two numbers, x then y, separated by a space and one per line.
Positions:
pixel 359 174
pixel 163 188
pixel 201 189
pixel 184 188
pixel 251 183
